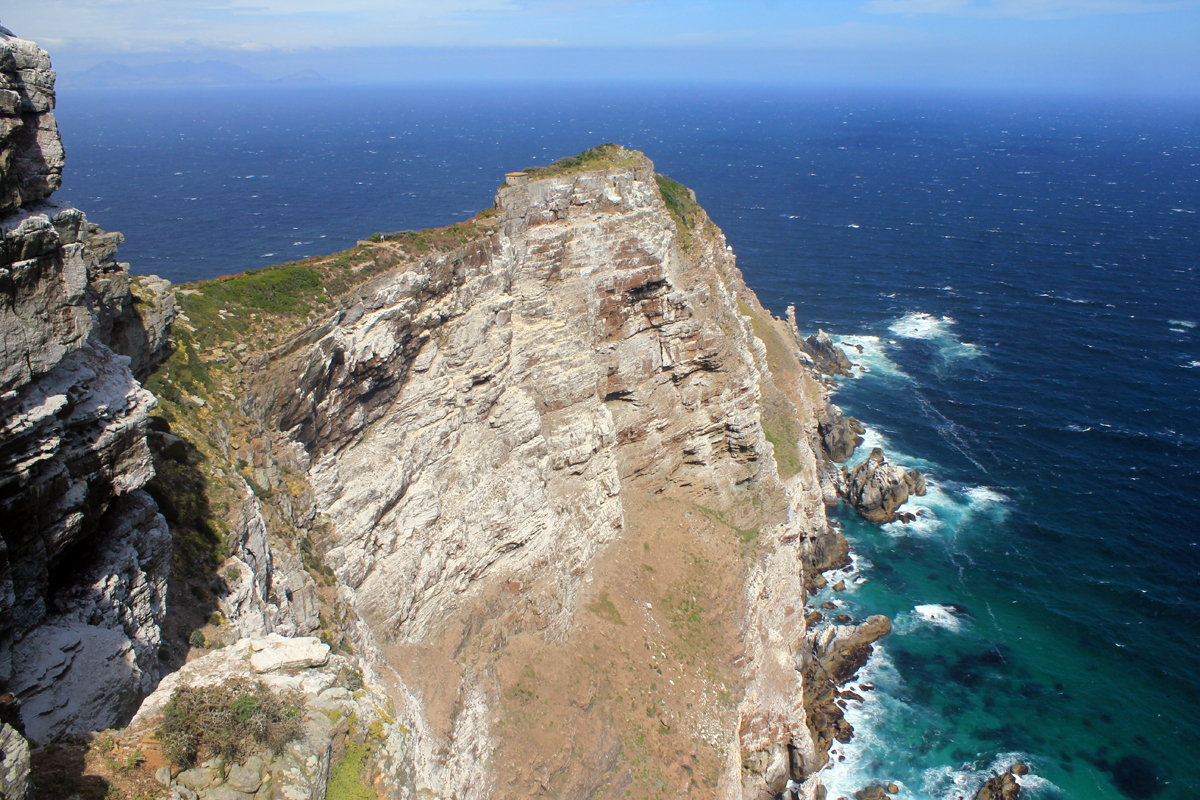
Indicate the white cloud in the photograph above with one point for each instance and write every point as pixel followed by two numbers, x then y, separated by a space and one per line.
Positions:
pixel 1028 9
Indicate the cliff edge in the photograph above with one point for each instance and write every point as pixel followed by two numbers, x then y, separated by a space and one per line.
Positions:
pixel 549 485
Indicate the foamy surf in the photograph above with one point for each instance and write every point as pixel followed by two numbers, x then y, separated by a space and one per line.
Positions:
pixel 933 615
pixel 868 353
pixel 931 328
pixel 967 780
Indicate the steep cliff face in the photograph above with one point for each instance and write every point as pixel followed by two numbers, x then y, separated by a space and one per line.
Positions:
pixel 84 554
pixel 552 479
pixel 573 439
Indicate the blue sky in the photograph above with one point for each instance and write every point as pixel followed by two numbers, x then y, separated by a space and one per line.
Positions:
pixel 1096 46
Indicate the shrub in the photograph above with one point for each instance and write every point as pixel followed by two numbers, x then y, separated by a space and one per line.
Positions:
pixel 229 720
pixel 197 639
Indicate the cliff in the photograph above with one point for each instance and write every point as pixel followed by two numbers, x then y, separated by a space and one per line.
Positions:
pixel 553 474
pixel 84 554
pixel 550 482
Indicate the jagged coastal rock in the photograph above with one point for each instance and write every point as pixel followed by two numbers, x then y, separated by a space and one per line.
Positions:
pixel 1004 786
pixel 877 489
pixel 825 355
pixel 840 435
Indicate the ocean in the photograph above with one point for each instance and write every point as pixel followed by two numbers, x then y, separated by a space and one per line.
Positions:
pixel 1018 278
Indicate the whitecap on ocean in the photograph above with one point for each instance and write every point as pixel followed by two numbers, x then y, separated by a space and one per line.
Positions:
pixel 928 327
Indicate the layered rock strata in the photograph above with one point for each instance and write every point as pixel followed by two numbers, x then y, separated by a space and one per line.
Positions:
pixel 483 428
pixel 84 554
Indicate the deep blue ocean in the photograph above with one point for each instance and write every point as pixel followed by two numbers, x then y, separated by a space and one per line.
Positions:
pixel 1022 275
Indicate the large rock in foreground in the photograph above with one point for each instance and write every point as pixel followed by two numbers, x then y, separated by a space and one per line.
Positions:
pixel 84 554
pixel 31 153
pixel 336 705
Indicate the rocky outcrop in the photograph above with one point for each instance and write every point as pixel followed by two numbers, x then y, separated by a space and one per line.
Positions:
pixel 840 435
pixel 466 420
pixel 1003 786
pixel 14 764
pixel 84 555
pixel 826 356
pixel 876 489
pixel 475 423
pixel 31 153
pixel 837 653
pixel 337 708
pixel 262 595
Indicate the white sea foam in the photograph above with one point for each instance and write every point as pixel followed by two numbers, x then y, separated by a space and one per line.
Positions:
pixel 919 325
pixel 873 719
pixel 1182 323
pixel 982 495
pixel 1193 365
pixel 938 616
pixel 868 353
pixel 966 780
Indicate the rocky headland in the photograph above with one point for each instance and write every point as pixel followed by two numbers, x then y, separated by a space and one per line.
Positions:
pixel 529 505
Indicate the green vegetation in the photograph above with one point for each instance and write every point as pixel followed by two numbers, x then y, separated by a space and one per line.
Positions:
pixel 229 720
pixel 345 778
pixel 604 156
pixel 283 289
pixel 780 425
pixel 684 210
pixel 746 535
pixel 605 609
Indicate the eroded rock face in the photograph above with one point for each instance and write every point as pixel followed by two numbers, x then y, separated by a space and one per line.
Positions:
pixel 14 764
pixel 474 423
pixel 840 435
pixel 876 489
pixel 31 153
pixel 478 418
pixel 84 554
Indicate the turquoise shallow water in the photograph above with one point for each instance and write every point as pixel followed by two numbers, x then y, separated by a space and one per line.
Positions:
pixel 1023 277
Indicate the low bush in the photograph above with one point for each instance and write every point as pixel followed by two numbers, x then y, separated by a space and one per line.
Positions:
pixel 230 720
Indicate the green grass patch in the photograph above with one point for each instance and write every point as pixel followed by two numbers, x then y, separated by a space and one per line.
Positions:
pixel 345 778
pixel 605 609
pixel 284 289
pixel 746 535
pixel 605 156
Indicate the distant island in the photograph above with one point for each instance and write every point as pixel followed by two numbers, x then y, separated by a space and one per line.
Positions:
pixel 112 75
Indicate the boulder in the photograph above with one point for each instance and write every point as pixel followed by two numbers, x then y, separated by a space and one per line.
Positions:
pixel 1000 787
pixel 827 356
pixel 876 489
pixel 275 653
pixel 14 764
pixel 839 435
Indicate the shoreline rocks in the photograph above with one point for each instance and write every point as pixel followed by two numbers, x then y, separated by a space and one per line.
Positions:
pixel 840 435
pixel 1003 786
pixel 876 489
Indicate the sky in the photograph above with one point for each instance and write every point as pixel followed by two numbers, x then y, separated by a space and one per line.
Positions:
pixel 1139 47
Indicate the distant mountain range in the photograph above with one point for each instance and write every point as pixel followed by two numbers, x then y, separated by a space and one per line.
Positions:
pixel 110 74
